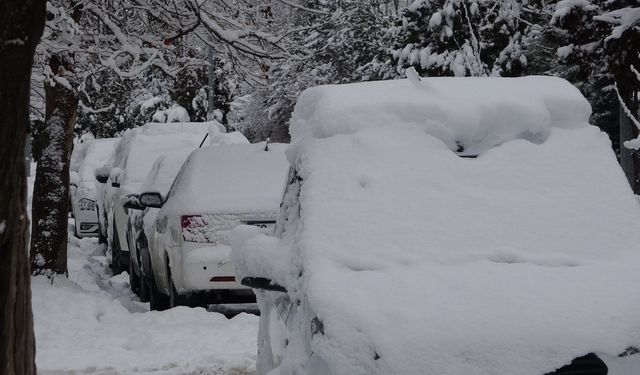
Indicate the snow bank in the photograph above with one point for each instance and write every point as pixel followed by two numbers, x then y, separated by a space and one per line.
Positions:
pixel 239 178
pixel 418 261
pixel 92 323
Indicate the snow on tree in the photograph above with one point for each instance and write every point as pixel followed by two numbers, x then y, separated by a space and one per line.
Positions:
pixel 330 42
pixel 623 51
pixel 464 38
pixel 89 37
pixel 581 58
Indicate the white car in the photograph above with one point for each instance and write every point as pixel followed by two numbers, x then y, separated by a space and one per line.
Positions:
pixel 216 189
pixel 394 254
pixel 127 168
pixel 159 180
pixel 86 157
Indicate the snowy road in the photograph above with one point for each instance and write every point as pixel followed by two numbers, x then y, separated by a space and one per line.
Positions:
pixel 91 323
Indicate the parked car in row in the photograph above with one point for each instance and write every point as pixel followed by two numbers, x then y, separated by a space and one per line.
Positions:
pixel 127 168
pixel 159 179
pixel 86 157
pixel 186 260
pixel 394 254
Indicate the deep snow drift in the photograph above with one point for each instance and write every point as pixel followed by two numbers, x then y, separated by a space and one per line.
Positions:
pixel 419 261
pixel 92 323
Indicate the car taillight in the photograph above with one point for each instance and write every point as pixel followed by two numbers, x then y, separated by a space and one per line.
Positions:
pixel 87 204
pixel 192 222
pixel 194 228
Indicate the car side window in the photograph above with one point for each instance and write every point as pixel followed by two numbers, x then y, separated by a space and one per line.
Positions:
pixel 176 181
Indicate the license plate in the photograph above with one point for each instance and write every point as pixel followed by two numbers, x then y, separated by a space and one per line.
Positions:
pixel 266 226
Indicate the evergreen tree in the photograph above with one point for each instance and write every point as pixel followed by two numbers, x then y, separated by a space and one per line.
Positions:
pixel 348 34
pixel 582 60
pixel 465 37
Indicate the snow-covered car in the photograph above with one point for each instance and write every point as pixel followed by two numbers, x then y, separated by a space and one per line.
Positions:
pixel 216 189
pixel 393 254
pixel 159 180
pixel 87 156
pixel 127 168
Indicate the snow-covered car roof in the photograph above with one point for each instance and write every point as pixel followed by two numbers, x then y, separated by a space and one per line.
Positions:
pixel 240 178
pixel 419 261
pixel 139 147
pixel 165 168
pixel 88 156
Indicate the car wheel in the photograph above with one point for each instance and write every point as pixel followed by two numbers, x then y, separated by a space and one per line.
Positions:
pixel 116 266
pixel 144 289
pixel 75 229
pixel 157 300
pixel 134 278
pixel 175 299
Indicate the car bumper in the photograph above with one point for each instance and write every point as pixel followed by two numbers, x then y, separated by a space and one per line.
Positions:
pixel 208 268
pixel 85 229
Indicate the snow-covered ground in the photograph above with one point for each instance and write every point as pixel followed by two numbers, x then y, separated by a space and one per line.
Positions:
pixel 91 323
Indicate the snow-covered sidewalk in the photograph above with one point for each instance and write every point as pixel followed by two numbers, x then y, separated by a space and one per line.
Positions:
pixel 92 323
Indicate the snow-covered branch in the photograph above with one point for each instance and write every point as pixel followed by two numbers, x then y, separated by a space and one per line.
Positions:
pixel 624 19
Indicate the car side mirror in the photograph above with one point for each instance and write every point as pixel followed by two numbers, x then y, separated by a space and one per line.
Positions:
pixel 153 199
pixel 262 283
pixel 102 174
pixel 101 178
pixel 115 175
pixel 131 201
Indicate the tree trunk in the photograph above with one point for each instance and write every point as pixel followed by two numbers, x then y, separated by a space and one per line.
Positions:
pixel 51 190
pixel 21 26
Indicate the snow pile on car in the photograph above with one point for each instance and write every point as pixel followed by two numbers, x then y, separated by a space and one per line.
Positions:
pixel 140 147
pixel 88 156
pixel 419 261
pixel 240 178
pixel 166 167
pixel 468 114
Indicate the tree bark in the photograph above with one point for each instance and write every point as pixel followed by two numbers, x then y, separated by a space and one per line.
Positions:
pixel 51 190
pixel 21 26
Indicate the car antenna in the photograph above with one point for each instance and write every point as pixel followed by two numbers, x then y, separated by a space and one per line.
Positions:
pixel 266 146
pixel 203 139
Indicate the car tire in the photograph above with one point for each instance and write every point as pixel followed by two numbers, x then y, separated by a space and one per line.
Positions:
pixel 116 265
pixel 134 278
pixel 175 299
pixel 144 290
pixel 157 300
pixel 101 237
pixel 75 229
